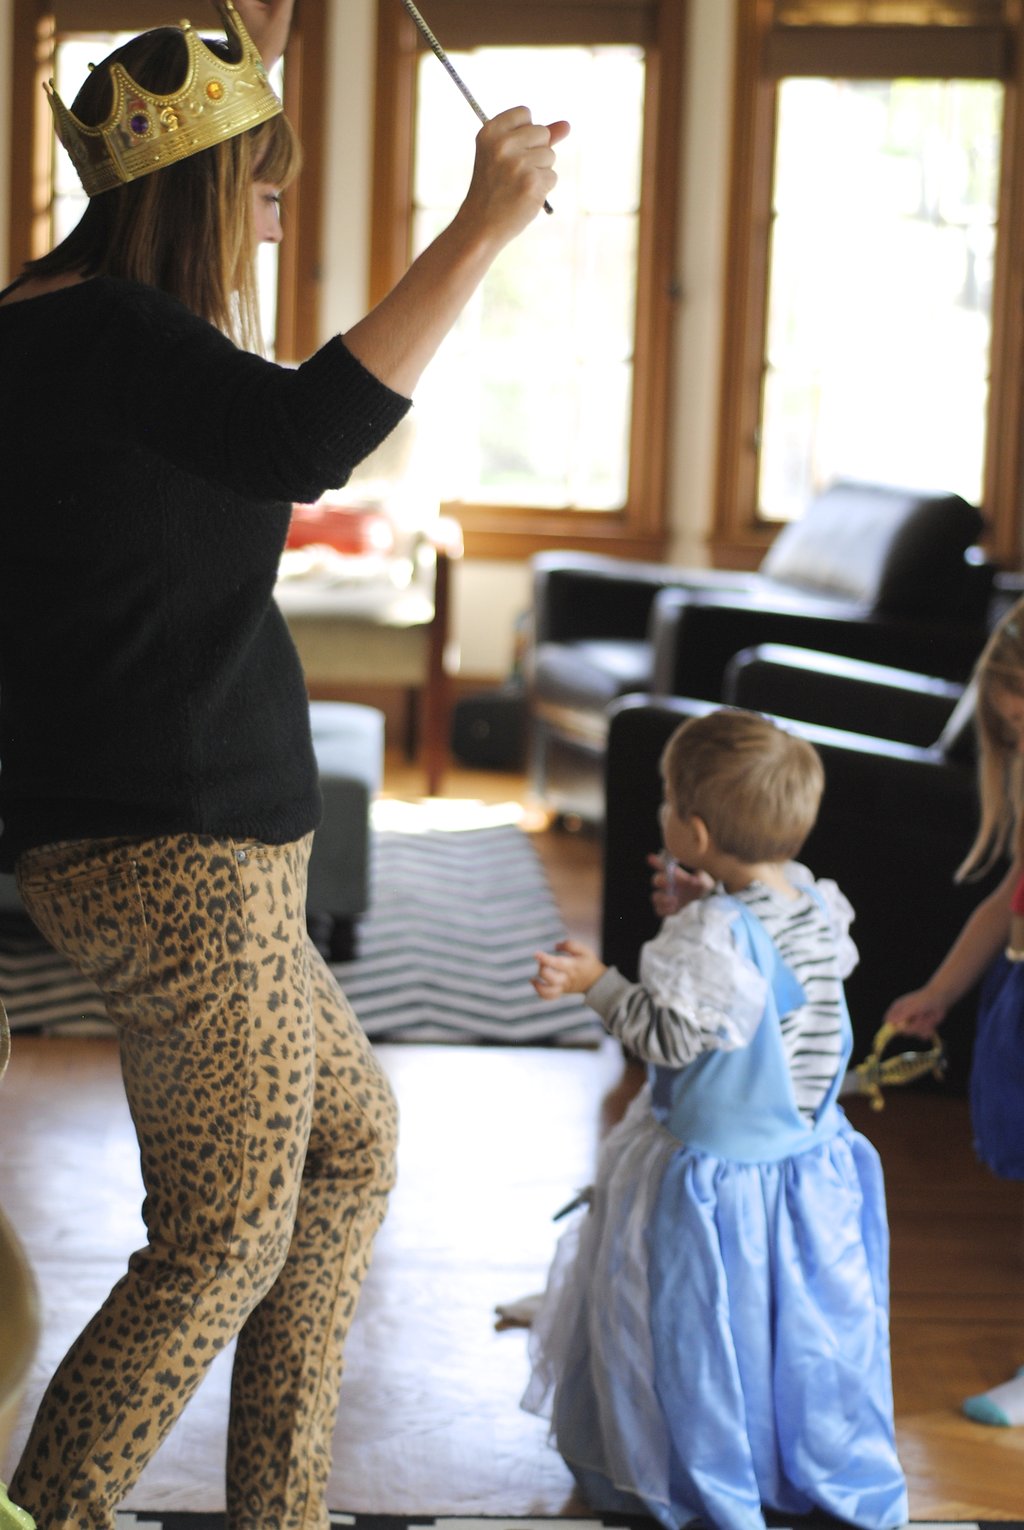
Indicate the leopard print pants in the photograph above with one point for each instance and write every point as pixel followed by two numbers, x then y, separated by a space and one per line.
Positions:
pixel 267 1135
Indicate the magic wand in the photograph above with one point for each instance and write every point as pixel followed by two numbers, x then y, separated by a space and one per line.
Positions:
pixel 435 47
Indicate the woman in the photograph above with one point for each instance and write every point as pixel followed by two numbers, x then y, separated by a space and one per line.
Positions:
pixel 158 790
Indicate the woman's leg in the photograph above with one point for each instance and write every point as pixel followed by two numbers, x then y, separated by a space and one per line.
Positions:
pixel 199 947
pixel 288 1363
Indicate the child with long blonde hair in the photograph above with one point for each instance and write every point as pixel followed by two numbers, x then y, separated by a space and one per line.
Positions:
pixel 991 946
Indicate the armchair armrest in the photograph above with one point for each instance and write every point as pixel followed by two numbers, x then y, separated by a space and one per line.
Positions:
pixel 587 595
pixel 696 632
pixel 1007 589
pixel 852 694
pixel 581 595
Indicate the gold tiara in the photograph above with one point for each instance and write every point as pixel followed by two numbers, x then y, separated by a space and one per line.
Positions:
pixel 144 132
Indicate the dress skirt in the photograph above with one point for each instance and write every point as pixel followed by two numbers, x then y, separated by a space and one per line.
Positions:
pixel 715 1335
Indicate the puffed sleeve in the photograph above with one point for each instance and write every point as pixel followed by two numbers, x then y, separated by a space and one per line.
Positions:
pixel 839 911
pixel 840 917
pixel 693 968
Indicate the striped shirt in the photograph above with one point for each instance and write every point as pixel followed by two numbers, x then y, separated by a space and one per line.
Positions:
pixel 698 994
pixel 811 1035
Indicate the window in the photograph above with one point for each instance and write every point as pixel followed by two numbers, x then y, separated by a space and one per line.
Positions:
pixel 879 286
pixel 45 194
pixel 529 401
pixel 874 212
pixel 545 410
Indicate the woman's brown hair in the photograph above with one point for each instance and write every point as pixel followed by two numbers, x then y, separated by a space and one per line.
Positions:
pixel 187 228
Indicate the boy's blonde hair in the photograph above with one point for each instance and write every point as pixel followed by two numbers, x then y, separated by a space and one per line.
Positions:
pixel 1000 764
pixel 756 787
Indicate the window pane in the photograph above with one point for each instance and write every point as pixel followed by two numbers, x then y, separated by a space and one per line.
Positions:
pixel 528 401
pixel 879 315
pixel 72 60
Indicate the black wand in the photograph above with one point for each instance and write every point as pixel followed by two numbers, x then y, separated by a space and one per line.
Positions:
pixel 435 47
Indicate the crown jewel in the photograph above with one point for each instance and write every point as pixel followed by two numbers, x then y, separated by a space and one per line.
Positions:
pixel 144 132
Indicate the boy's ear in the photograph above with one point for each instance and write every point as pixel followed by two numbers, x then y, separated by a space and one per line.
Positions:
pixel 700 832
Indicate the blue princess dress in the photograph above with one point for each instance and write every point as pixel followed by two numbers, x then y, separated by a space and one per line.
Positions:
pixel 715 1332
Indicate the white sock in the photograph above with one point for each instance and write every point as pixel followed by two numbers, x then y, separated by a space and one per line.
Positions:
pixel 1002 1405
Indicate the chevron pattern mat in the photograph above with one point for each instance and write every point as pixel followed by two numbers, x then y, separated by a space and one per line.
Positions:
pixel 446 950
pixel 40 990
pixel 175 1521
pixel 460 903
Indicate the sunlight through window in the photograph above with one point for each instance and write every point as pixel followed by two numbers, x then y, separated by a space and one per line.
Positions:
pixel 880 296
pixel 529 400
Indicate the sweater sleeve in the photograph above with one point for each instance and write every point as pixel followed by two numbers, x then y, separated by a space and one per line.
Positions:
pixel 258 428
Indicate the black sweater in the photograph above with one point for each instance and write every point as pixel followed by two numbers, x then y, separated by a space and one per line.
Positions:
pixel 148 682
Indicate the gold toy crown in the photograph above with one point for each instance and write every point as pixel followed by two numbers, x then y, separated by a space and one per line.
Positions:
pixel 144 132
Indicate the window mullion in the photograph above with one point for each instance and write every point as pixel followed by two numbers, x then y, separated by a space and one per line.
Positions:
pixel 871 53
pixel 1004 459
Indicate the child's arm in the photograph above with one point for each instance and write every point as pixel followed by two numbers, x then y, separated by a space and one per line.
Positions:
pixel 571 968
pixel 982 937
pixel 663 1033
pixel 657 1033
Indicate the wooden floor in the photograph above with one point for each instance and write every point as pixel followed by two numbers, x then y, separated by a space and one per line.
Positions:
pixel 494 1141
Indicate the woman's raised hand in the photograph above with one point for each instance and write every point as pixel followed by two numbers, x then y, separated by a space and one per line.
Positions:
pixel 268 23
pixel 513 173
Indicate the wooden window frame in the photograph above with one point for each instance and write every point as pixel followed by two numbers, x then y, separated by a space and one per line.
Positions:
pixel 639 529
pixel 764 54
pixel 35 29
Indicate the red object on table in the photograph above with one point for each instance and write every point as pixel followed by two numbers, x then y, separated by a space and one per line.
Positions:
pixel 352 529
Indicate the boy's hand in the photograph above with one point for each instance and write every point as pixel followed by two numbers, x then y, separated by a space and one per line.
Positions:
pixel 571 968
pixel 672 887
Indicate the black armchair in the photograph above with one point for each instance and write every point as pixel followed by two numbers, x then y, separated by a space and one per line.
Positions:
pixel 895 822
pixel 854 696
pixel 876 573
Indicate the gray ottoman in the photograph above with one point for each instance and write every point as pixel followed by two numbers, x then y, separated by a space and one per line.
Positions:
pixel 349 744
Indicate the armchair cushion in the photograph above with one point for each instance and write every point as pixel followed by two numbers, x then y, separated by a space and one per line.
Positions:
pixel 898 551
pixel 591 673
